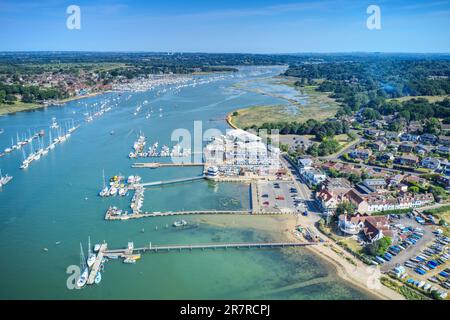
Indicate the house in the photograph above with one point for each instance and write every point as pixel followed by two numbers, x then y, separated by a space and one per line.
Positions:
pixel 428 138
pixel 406 147
pixel 361 154
pixel 441 149
pixel 332 193
pixel 407 159
pixel 409 137
pixel 422 149
pixel 444 181
pixel 394 181
pixel 304 163
pixel 385 157
pixel 373 227
pixel 372 133
pixel 444 140
pixel 431 163
pixel 375 184
pixel 382 202
pixel 392 135
pixel 376 146
pixel 313 177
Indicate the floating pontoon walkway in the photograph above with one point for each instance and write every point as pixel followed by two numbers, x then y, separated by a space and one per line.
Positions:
pixel 96 266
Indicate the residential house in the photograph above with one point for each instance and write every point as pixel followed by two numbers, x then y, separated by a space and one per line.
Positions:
pixel 361 154
pixel 444 150
pixel 332 193
pixel 373 227
pixel 422 149
pixel 376 145
pixel 428 138
pixel 444 140
pixel 431 163
pixel 304 163
pixel 313 177
pixel 385 157
pixel 409 137
pixel 406 147
pixel 407 159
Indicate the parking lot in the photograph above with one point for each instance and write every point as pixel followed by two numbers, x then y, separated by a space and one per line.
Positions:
pixel 279 196
pixel 412 250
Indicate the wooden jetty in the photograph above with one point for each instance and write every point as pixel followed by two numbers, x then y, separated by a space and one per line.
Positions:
pixel 164 248
pixel 96 266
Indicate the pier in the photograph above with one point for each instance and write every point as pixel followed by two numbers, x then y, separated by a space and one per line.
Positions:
pixel 154 165
pixel 109 216
pixel 160 183
pixel 165 248
pixel 96 266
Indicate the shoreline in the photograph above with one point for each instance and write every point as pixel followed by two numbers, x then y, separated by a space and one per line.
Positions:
pixel 358 276
pixel 281 228
pixel 57 103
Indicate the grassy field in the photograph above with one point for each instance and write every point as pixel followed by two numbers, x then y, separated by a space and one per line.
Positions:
pixel 17 107
pixel 21 106
pixel 431 99
pixel 319 106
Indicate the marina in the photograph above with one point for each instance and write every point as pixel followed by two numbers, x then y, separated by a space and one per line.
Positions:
pixel 71 176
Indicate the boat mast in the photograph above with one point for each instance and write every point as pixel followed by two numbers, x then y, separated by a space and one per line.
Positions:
pixel 82 258
pixel 89 245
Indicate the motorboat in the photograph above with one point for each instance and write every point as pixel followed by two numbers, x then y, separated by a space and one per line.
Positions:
pixel 83 278
pixel 98 278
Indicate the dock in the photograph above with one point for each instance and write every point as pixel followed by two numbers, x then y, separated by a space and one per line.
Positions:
pixel 254 200
pixel 165 182
pixel 165 248
pixel 96 266
pixel 109 216
pixel 154 165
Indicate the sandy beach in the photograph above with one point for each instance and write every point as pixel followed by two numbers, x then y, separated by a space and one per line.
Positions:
pixel 360 276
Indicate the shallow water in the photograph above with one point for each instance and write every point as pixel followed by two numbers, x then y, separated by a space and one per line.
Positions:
pixel 55 200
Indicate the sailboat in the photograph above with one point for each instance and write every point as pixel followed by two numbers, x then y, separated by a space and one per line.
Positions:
pixel 105 191
pixel 25 161
pixel 54 124
pixel 85 273
pixel 91 255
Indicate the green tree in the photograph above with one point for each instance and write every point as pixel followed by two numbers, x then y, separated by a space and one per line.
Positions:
pixel 345 207
pixel 379 247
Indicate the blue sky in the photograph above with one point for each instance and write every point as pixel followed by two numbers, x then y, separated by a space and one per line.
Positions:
pixel 258 26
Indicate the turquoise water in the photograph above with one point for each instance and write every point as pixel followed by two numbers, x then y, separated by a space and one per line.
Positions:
pixel 55 200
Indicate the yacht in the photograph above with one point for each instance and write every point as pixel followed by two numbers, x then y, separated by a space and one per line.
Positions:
pixel 97 247
pixel 113 191
pixel 54 124
pixel 98 278
pixel 179 223
pixel 91 255
pixel 4 179
pixel 84 275
pixel 129 260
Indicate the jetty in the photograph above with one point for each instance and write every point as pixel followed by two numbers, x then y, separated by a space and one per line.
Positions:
pixel 154 165
pixel 110 216
pixel 165 248
pixel 96 266
pixel 165 182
